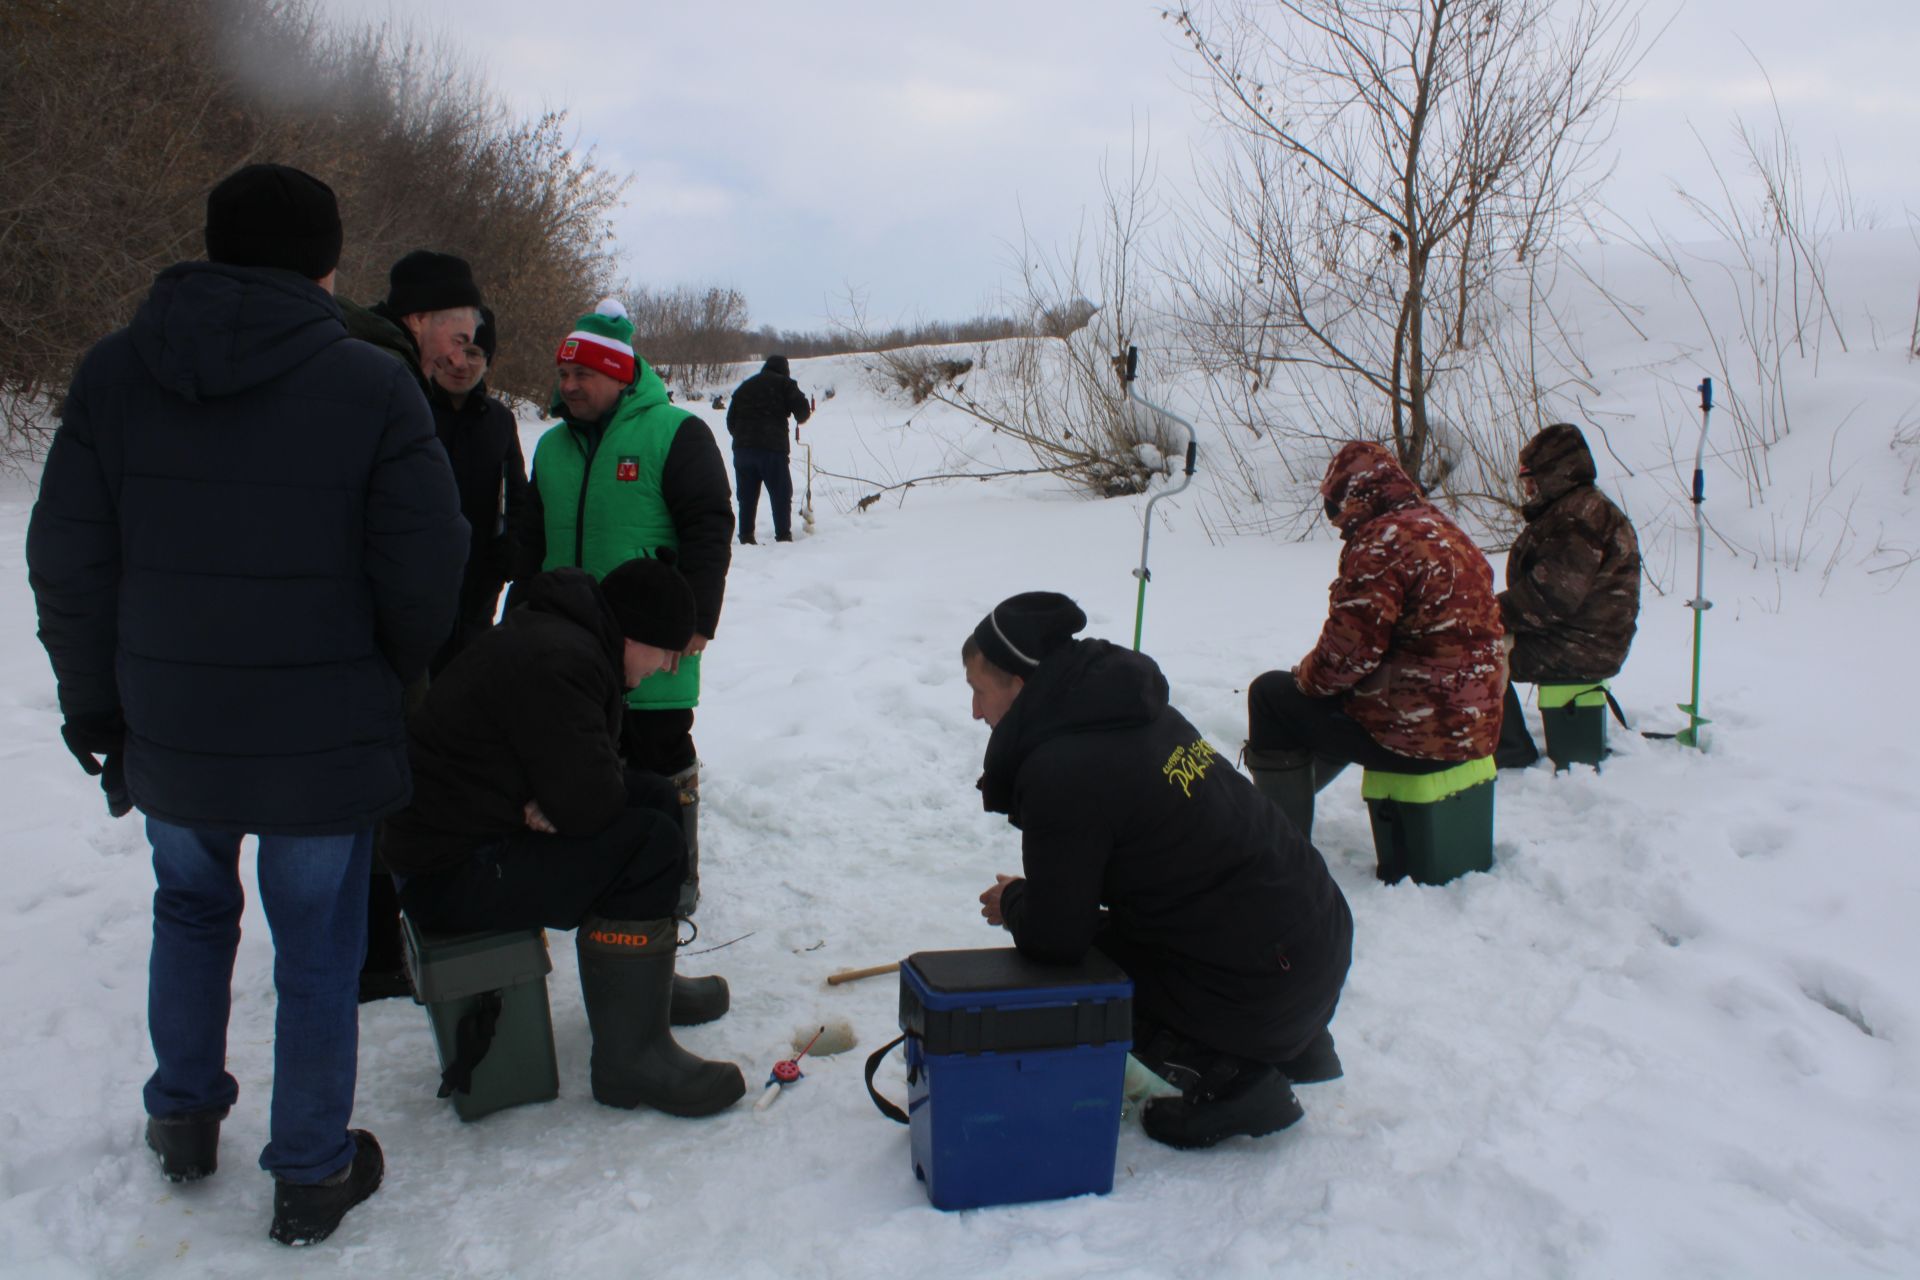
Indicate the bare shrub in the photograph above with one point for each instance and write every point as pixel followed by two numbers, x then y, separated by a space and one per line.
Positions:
pixel 1395 170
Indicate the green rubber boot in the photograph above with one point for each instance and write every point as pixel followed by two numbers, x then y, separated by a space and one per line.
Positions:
pixel 626 977
pixel 1286 778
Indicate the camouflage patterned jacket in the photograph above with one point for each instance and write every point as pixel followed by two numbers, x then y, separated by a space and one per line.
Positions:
pixel 1412 639
pixel 1573 577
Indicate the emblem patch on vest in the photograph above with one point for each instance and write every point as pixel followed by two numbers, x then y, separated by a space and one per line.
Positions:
pixel 628 468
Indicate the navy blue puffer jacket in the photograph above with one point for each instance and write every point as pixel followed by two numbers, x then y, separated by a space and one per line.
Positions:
pixel 246 541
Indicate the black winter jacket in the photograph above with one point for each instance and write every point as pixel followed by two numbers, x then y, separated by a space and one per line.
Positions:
pixel 530 711
pixel 757 414
pixel 246 541
pixel 1225 917
pixel 483 444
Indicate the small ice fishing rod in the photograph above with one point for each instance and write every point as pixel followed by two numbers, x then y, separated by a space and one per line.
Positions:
pixel 1129 369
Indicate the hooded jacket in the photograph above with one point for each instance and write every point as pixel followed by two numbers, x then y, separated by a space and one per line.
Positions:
pixel 246 540
pixel 1572 601
pixel 1412 639
pixel 531 710
pixel 757 414
pixel 1225 917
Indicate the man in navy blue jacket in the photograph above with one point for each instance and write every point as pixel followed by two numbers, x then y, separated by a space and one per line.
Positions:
pixel 247 540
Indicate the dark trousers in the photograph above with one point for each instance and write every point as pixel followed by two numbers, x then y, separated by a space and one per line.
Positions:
pixel 1281 718
pixel 1515 742
pixel 530 880
pixel 658 741
pixel 753 468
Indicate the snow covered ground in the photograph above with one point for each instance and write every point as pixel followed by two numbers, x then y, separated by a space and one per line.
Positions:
pixel 1674 1032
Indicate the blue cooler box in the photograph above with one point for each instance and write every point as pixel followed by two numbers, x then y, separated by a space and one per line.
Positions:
pixel 1014 1074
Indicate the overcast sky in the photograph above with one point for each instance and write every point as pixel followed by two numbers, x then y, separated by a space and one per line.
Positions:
pixel 802 151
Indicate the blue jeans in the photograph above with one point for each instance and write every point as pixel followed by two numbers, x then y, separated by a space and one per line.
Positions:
pixel 753 468
pixel 314 892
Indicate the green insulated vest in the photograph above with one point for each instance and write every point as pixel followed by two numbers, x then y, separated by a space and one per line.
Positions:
pixel 604 507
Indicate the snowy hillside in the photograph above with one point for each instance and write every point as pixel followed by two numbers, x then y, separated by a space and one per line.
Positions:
pixel 1675 1032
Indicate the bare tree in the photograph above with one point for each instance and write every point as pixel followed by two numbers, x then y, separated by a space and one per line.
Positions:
pixel 1395 169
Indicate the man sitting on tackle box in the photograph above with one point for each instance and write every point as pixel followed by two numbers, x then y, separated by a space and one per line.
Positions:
pixel 523 817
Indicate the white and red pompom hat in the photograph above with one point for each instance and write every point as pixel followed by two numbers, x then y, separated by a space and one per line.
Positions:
pixel 602 340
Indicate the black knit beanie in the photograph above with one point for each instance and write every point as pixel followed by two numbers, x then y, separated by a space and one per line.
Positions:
pixel 429 281
pixel 1022 630
pixel 652 602
pixel 272 215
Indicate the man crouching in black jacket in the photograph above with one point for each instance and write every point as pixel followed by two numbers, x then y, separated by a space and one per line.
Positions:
pixel 1226 919
pixel 524 817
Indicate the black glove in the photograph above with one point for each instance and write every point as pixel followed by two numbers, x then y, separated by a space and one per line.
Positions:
pixel 93 736
pixel 102 736
pixel 113 781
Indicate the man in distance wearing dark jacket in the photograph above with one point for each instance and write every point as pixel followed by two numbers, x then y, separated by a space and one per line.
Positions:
pixel 1572 601
pixel 246 543
pixel 523 817
pixel 1138 838
pixel 757 421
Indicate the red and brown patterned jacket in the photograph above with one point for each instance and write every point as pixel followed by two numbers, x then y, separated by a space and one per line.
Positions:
pixel 1412 639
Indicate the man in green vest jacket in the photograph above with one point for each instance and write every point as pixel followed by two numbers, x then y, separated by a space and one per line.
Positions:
pixel 625 473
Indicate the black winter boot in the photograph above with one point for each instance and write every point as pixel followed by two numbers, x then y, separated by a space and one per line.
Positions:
pixel 1515 749
pixel 188 1145
pixel 1315 1064
pixel 626 976
pixel 1286 778
pixel 698 1000
pixel 383 974
pixel 1234 1097
pixel 687 783
pixel 308 1212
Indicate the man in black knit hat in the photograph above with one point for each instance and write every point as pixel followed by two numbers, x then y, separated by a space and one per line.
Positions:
pixel 524 817
pixel 428 321
pixel 430 313
pixel 1139 838
pixel 246 542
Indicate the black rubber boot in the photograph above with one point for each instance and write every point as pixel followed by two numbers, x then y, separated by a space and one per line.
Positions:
pixel 188 1145
pixel 698 1000
pixel 1515 749
pixel 383 974
pixel 1286 778
pixel 1315 1064
pixel 308 1212
pixel 1234 1098
pixel 687 783
pixel 626 976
